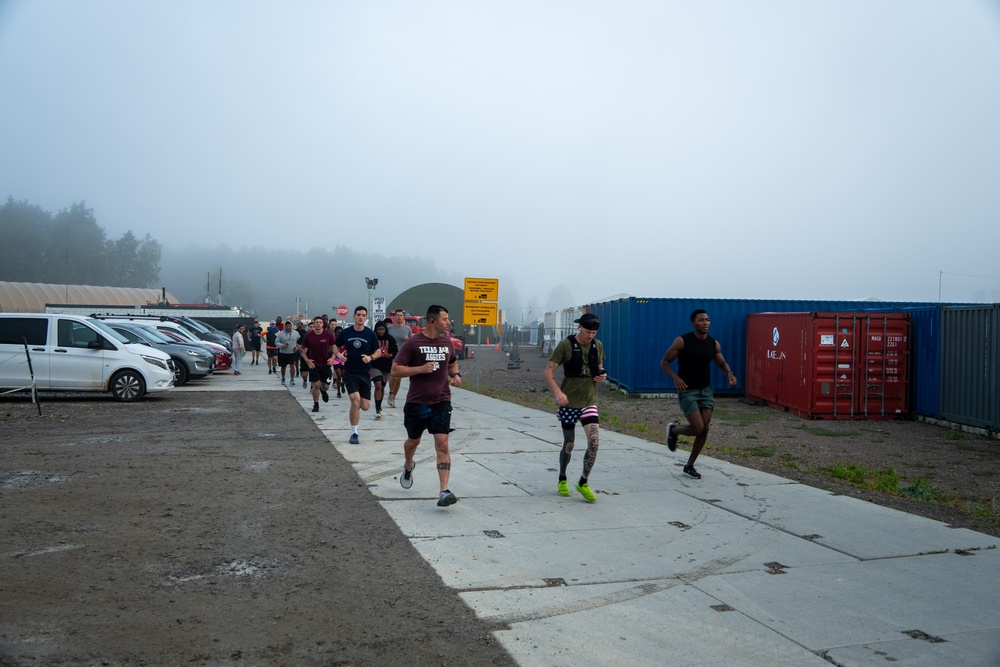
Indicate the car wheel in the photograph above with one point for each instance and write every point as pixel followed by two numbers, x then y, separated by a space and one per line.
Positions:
pixel 180 373
pixel 128 386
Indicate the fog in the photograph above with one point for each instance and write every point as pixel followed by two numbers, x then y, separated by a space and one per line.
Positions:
pixel 574 150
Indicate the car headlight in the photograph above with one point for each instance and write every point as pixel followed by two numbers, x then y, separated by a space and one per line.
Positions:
pixel 193 353
pixel 156 362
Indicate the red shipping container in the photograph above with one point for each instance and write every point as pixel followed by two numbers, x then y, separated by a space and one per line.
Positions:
pixel 830 365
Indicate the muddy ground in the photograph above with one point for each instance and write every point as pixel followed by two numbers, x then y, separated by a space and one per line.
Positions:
pixel 189 529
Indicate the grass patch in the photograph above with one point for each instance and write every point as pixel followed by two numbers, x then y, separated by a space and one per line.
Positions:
pixel 741 418
pixel 750 436
pixel 761 451
pixel 921 490
pixel 954 435
pixel 885 480
pixel 987 514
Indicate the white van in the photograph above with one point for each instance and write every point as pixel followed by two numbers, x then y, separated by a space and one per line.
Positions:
pixel 76 353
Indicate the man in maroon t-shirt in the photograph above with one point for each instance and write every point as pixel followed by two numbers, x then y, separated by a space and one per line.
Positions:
pixel 317 350
pixel 429 360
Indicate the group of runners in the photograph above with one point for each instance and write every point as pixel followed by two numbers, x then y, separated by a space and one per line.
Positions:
pixel 582 358
pixel 358 359
pixel 364 362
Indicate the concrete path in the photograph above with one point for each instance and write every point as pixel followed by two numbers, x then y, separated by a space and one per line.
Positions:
pixel 738 568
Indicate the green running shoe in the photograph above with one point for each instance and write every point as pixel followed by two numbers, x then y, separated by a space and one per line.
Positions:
pixel 587 494
pixel 563 487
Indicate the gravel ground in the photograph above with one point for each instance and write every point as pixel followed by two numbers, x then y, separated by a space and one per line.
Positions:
pixel 913 466
pixel 207 529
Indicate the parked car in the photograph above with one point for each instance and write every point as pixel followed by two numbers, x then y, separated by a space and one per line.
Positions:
pixel 190 360
pixel 196 329
pixel 206 332
pixel 223 357
pixel 76 353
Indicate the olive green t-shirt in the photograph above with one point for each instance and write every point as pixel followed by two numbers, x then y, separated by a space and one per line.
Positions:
pixel 581 391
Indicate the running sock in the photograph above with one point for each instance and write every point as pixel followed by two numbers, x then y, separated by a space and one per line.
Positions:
pixel 583 480
pixel 354 430
pixel 378 405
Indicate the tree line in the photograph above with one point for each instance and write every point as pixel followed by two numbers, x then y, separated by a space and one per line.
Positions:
pixel 71 248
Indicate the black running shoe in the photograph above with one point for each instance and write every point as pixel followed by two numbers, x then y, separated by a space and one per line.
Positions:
pixel 671 438
pixel 315 407
pixel 326 396
pixel 406 479
pixel 691 472
pixel 446 498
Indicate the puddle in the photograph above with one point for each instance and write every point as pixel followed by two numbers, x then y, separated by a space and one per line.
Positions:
pixel 240 569
pixel 30 479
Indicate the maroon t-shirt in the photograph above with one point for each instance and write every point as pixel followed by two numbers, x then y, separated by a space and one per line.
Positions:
pixel 427 388
pixel 319 347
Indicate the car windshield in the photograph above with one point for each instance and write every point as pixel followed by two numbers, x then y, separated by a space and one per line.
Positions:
pixel 108 331
pixel 151 334
pixel 196 325
pixel 209 327
pixel 130 334
pixel 181 334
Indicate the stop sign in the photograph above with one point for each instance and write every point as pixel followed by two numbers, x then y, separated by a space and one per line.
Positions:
pixel 341 310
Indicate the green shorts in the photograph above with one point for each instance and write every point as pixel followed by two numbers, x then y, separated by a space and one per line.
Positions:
pixel 694 400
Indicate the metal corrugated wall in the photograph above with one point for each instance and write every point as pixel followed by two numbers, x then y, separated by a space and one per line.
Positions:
pixel 637 331
pixel 970 365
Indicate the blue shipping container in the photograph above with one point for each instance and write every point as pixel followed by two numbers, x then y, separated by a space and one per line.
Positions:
pixel 637 331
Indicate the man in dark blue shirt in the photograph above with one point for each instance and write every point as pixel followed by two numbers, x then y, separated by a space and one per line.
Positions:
pixel 360 345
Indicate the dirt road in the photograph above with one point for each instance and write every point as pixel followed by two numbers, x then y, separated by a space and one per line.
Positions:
pixel 207 528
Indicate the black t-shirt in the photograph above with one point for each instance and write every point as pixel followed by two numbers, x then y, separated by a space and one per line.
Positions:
pixel 694 362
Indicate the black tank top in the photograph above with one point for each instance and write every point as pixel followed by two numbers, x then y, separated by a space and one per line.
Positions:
pixel 694 362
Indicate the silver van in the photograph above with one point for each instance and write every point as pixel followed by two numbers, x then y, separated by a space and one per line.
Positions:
pixel 76 353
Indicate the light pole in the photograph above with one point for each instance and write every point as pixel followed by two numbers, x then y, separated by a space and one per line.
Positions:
pixel 371 282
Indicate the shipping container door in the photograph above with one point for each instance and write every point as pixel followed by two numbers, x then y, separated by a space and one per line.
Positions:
pixel 883 360
pixel 834 340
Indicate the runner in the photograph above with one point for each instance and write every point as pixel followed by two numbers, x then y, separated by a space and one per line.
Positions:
pixel 317 348
pixel 360 346
pixel 695 351
pixel 382 366
pixel 429 360
pixel 400 331
pixel 271 345
pixel 338 365
pixel 582 359
pixel 255 333
pixel 288 351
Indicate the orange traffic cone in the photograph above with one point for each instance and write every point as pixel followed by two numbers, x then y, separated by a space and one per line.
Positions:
pixel 487 340
pixel 498 346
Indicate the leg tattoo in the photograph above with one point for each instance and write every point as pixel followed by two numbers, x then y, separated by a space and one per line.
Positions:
pixel 591 455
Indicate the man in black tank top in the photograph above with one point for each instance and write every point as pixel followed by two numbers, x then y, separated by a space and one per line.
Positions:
pixel 694 353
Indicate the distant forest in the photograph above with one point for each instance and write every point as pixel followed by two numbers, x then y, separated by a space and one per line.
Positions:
pixel 70 247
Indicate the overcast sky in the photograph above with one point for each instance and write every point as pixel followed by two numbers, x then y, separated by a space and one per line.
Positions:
pixel 731 149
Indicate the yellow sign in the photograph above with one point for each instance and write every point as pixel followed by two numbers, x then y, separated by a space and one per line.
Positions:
pixel 480 314
pixel 482 289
